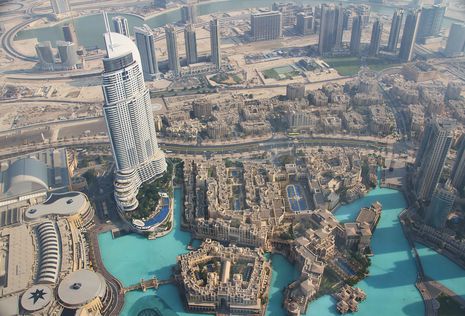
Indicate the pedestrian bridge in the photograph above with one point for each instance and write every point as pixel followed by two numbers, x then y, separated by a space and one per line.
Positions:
pixel 144 285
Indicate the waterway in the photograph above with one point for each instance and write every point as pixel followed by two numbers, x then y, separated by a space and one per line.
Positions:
pixel 442 269
pixel 390 283
pixel 90 28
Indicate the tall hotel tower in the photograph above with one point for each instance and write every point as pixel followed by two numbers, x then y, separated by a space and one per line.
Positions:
pixel 129 119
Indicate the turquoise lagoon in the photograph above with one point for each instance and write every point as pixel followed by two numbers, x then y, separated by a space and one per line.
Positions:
pixel 441 269
pixel 390 285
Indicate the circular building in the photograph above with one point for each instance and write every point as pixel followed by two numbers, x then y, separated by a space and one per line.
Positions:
pixel 36 297
pixel 82 289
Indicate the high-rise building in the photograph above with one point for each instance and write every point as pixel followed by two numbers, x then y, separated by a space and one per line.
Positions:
pixel 46 57
pixel 331 28
pixel 347 23
pixel 430 22
pixel 356 36
pixel 266 25
pixel 145 42
pixel 435 145
pixel 458 170
pixel 438 210
pixel 129 119
pixel 375 41
pixel 327 38
pixel 190 42
pixel 189 13
pixel 304 23
pixel 69 33
pixel 172 46
pixel 215 43
pixel 407 44
pixel 394 33
pixel 120 25
pixel 363 11
pixel 162 4
pixel 60 6
pixel 456 41
pixel 68 53
pixel 339 26
pixel 288 10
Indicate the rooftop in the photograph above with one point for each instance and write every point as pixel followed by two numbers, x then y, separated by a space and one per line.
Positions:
pixel 81 287
pixel 64 204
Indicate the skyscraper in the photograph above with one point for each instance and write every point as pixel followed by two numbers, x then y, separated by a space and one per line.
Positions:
pixel 458 170
pixel 266 25
pixel 69 33
pixel 129 119
pixel 430 22
pixel 339 24
pixel 68 54
pixel 325 41
pixel 432 155
pixel 172 46
pixel 407 44
pixel 189 13
pixel 190 42
pixel 356 36
pixel 145 42
pixel 331 28
pixel 442 201
pixel 120 25
pixel 287 10
pixel 375 41
pixel 60 6
pixel 456 41
pixel 304 23
pixel 46 57
pixel 215 43
pixel 394 33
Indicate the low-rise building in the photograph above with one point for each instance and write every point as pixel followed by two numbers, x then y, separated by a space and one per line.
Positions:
pixel 219 279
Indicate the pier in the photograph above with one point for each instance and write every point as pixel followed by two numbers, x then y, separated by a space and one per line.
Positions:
pixel 144 285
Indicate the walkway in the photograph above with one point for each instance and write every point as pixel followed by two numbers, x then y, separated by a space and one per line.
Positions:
pixel 116 301
pixel 144 285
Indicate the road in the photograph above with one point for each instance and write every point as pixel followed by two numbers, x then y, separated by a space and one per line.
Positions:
pixel 250 146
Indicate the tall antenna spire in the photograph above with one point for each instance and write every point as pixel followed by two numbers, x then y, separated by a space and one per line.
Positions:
pixel 107 27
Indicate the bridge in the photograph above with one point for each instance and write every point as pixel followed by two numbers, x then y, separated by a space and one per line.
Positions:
pixel 145 285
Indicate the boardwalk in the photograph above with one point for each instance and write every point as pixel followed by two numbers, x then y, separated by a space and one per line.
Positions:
pixel 116 300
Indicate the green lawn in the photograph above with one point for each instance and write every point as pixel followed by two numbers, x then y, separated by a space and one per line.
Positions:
pixel 281 73
pixel 345 66
pixel 378 64
pixel 349 66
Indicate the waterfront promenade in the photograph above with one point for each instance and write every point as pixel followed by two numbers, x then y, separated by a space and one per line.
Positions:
pixel 116 302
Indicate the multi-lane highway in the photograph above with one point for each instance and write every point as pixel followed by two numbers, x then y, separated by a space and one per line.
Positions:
pixel 217 149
